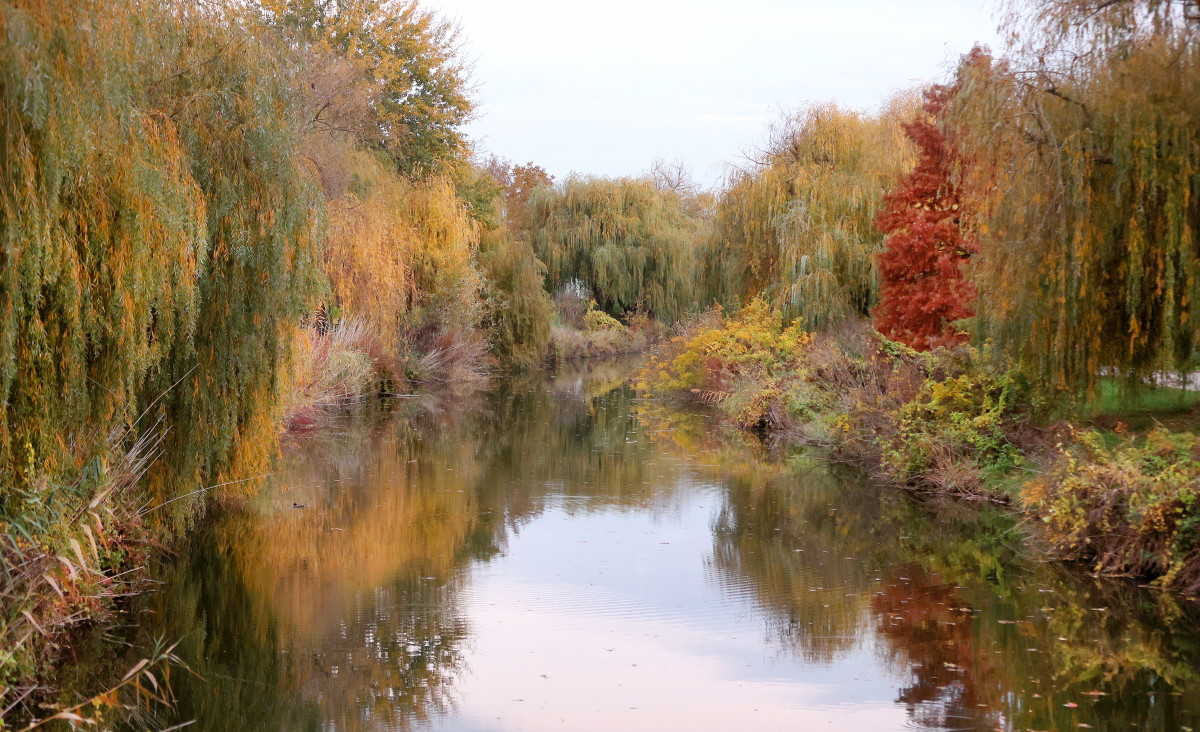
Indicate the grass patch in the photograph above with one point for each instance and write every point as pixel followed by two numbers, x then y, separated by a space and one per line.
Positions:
pixel 1157 400
pixel 1154 407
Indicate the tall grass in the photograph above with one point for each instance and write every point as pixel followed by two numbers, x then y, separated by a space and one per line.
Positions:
pixel 69 550
pixel 334 367
pixel 441 355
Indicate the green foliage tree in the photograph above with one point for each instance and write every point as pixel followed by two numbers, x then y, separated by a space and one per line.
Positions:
pixel 158 236
pixel 796 225
pixel 518 310
pixel 405 61
pixel 626 241
pixel 1087 157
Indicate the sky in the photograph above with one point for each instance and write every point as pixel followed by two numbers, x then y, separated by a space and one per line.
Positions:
pixel 606 88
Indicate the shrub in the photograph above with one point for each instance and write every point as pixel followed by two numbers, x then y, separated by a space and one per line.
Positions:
pixel 1128 509
pixel 444 355
pixel 953 431
pixel 750 364
pixel 713 352
pixel 569 344
pixel 598 320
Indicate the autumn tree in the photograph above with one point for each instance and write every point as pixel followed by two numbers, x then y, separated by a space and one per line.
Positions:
pixel 517 309
pixel 627 242
pixel 1086 150
pixel 382 95
pixel 796 225
pixel 519 181
pixel 409 67
pixel 922 288
pixel 159 239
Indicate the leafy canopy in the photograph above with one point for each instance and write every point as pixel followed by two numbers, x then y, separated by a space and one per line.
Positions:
pixel 1087 166
pixel 797 225
pixel 629 243
pixel 406 63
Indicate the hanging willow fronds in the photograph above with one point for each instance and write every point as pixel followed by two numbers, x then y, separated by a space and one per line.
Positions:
pixel 798 225
pixel 395 244
pixel 624 239
pixel 158 237
pixel 1087 145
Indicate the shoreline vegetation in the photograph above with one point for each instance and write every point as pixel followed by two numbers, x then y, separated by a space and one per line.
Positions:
pixel 223 221
pixel 945 423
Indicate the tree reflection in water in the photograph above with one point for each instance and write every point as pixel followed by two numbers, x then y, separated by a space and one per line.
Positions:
pixel 350 613
pixel 984 638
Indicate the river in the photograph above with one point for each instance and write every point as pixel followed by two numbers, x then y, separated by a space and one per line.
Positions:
pixel 556 555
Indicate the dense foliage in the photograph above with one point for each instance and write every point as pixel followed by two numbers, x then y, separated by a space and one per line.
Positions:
pixel 629 243
pixel 922 290
pixel 518 181
pixel 1130 508
pixel 388 71
pixel 159 234
pixel 518 309
pixel 1084 148
pixel 797 226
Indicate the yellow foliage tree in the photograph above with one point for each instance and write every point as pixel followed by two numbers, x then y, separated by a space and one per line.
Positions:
pixel 797 225
pixel 1085 152
pixel 395 245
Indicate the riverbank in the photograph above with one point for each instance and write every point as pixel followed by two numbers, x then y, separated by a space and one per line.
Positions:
pixel 90 540
pixel 611 545
pixel 946 423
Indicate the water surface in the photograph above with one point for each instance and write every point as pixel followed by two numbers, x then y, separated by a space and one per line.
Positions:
pixel 554 555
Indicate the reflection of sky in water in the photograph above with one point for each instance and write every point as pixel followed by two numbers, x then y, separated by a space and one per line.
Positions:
pixel 542 563
pixel 610 620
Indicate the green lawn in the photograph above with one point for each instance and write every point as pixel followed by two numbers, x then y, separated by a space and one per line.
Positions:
pixel 1170 407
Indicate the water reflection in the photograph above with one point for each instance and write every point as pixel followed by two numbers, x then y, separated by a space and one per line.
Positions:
pixel 559 556
pixel 978 636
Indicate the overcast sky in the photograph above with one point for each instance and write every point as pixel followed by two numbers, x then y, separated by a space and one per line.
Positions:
pixel 607 87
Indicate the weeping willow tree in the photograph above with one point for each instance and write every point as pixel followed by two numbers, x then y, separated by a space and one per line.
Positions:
pixel 626 241
pixel 518 310
pixel 1086 144
pixel 398 248
pixel 158 237
pixel 797 225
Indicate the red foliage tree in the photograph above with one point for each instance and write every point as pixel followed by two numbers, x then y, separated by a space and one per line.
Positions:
pixel 923 291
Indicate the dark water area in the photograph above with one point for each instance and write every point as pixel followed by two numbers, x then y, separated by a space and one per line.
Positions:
pixel 555 555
